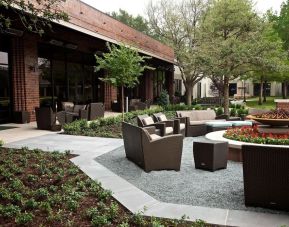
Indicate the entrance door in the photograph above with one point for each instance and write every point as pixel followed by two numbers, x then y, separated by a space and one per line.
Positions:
pixel 5 98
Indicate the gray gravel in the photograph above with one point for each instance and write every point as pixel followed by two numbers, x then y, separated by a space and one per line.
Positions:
pixel 219 189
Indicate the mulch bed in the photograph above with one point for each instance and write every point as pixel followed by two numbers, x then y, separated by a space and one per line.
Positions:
pixel 45 189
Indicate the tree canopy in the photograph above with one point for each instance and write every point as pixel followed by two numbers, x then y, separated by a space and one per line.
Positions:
pixel 178 25
pixel 238 41
pixel 123 65
pixel 35 16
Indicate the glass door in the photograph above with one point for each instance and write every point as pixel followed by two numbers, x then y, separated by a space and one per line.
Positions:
pixel 5 100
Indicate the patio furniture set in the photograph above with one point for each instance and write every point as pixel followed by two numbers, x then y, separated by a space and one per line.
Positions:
pixel 156 144
pixel 47 119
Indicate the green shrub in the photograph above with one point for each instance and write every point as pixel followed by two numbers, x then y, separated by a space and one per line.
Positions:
pixel 10 211
pixel 241 112
pixel 24 218
pixel 219 111
pixel 198 107
pixel 1 143
pixel 177 107
pixel 163 98
pixel 233 112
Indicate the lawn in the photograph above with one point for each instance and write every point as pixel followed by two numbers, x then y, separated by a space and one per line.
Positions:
pixel 270 104
pixel 46 189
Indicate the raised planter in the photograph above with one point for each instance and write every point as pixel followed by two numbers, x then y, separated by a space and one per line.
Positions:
pixel 235 147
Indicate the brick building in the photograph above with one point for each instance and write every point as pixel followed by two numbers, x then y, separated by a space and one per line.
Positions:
pixel 59 66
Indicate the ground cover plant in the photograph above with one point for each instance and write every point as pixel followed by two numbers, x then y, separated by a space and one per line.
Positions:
pixel 252 135
pixel 46 189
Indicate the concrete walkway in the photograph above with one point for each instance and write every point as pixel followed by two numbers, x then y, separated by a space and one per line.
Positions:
pixel 88 148
pixel 25 131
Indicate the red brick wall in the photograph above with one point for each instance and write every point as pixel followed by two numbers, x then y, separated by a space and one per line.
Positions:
pixel 110 94
pixel 25 77
pixel 89 18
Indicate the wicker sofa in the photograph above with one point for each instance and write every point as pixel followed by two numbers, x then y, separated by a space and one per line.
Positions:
pixel 150 151
pixel 266 176
pixel 196 120
pixel 90 112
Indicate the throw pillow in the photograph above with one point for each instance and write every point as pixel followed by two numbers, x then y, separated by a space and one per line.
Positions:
pixel 162 118
pixel 148 121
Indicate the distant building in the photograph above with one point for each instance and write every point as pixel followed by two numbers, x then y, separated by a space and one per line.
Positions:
pixel 236 88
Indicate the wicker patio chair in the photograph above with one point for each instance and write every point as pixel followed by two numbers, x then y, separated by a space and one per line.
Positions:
pixel 166 128
pixel 46 118
pixel 152 152
pixel 179 122
pixel 266 176
pixel 95 110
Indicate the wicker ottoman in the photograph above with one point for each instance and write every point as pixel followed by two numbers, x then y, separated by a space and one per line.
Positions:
pixel 210 155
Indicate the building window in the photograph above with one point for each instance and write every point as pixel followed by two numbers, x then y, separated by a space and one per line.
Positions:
pixel 67 76
pixel 158 82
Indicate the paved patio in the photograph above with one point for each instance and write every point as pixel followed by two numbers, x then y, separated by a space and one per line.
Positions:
pixel 16 132
pixel 131 197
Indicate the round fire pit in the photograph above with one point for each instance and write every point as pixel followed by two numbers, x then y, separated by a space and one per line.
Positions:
pixel 271 122
pixel 278 117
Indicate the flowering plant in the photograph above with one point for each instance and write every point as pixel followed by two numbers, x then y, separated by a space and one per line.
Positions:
pixel 252 135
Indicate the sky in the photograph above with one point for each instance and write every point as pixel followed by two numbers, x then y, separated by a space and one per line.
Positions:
pixel 136 7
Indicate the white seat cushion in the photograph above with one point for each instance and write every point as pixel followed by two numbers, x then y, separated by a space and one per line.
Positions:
pixel 197 122
pixel 148 121
pixel 182 126
pixel 154 136
pixel 169 130
pixel 162 118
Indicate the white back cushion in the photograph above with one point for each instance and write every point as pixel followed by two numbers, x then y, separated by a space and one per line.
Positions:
pixel 148 121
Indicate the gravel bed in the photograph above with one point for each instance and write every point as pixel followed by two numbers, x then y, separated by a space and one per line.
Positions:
pixel 219 189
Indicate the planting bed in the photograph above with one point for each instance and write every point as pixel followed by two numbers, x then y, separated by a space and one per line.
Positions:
pixel 46 189
pixel 252 135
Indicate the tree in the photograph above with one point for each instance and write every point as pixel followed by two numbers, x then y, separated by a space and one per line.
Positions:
pixel 35 16
pixel 139 23
pixel 123 65
pixel 269 64
pixel 281 25
pixel 230 32
pixel 177 23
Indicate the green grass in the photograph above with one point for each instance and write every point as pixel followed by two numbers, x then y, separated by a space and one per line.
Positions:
pixel 270 104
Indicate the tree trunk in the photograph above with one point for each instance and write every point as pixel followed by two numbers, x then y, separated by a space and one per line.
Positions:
pixel 261 93
pixel 226 95
pixel 189 92
pixel 264 93
pixel 122 102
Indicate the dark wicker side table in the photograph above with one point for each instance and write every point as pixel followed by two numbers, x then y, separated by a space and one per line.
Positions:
pixel 210 155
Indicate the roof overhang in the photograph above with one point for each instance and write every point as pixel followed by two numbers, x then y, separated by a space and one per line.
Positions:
pixel 105 38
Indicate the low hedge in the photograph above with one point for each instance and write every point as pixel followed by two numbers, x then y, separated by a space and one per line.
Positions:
pixel 110 126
